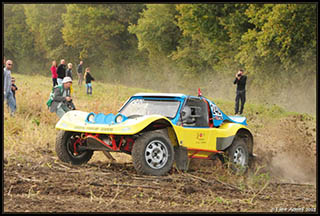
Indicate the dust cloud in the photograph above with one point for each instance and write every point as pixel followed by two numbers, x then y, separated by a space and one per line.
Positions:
pixel 296 96
pixel 295 169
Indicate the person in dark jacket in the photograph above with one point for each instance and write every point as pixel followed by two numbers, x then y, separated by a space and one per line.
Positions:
pixel 241 90
pixel 80 72
pixel 14 88
pixel 88 78
pixel 69 70
pixel 61 71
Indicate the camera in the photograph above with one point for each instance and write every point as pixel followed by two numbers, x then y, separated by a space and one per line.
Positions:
pixel 70 105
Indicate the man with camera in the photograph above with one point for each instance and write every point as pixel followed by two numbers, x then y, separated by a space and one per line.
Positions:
pixel 62 101
pixel 241 90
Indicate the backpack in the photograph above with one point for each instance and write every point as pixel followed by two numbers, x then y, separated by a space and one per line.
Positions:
pixel 49 102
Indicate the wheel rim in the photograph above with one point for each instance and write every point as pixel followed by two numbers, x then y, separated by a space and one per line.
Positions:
pixel 239 156
pixel 156 154
pixel 72 146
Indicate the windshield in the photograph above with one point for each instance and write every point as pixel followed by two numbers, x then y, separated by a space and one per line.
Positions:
pixel 167 108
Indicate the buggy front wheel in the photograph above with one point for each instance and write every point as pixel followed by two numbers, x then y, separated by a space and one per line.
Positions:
pixel 67 148
pixel 153 154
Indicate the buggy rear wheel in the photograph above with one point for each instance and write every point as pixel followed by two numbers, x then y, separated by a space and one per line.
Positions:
pixel 238 156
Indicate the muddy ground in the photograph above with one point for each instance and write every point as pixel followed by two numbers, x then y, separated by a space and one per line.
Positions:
pixel 281 179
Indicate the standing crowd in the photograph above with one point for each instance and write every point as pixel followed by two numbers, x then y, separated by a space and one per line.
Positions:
pixel 61 100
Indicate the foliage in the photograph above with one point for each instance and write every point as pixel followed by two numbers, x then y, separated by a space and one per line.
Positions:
pixel 276 44
pixel 283 34
pixel 18 41
pixel 99 31
pixel 45 29
pixel 156 29
pixel 212 34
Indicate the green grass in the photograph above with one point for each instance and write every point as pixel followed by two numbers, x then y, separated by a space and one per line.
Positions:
pixel 32 130
pixel 34 123
pixel 30 135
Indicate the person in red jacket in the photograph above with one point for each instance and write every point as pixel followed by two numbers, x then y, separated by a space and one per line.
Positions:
pixel 54 73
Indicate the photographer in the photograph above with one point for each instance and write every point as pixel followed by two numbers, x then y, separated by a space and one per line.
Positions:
pixel 62 101
pixel 241 90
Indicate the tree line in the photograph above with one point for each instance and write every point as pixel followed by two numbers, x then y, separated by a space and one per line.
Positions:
pixel 273 42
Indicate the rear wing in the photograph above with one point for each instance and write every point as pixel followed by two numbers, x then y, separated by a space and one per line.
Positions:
pixel 219 117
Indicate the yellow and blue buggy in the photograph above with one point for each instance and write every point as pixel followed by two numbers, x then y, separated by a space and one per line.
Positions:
pixel 157 130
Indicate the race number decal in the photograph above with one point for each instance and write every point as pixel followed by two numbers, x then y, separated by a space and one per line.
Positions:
pixel 216 112
pixel 217 115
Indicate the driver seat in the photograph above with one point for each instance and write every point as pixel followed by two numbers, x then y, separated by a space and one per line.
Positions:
pixel 187 119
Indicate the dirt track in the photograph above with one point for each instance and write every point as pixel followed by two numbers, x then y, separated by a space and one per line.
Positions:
pixel 116 188
pixel 47 185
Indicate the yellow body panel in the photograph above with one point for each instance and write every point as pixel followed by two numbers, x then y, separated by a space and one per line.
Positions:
pixel 200 142
pixel 75 121
pixel 205 138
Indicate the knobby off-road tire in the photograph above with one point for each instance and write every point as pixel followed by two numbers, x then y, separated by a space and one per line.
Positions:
pixel 64 149
pixel 153 154
pixel 238 156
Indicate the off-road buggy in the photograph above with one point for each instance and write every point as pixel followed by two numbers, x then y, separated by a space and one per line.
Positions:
pixel 157 130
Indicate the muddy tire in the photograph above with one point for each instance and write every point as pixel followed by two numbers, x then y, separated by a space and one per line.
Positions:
pixel 66 142
pixel 238 156
pixel 153 154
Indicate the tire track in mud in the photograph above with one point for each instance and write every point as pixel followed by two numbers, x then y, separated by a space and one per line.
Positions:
pixel 115 187
pixel 286 149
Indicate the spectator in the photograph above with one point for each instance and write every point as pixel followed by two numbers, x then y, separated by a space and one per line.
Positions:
pixel 241 90
pixel 14 88
pixel 61 71
pixel 8 94
pixel 69 74
pixel 88 78
pixel 69 70
pixel 61 98
pixel 54 73
pixel 79 72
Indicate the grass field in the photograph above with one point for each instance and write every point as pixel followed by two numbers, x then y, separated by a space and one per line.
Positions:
pixel 29 143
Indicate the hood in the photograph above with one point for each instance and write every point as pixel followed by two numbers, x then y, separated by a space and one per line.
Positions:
pixel 78 121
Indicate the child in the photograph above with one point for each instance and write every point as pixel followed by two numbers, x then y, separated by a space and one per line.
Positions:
pixel 14 88
pixel 87 76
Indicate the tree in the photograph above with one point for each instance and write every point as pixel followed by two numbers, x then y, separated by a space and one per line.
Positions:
pixel 284 35
pixel 18 42
pixel 212 34
pixel 99 31
pixel 45 23
pixel 156 30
